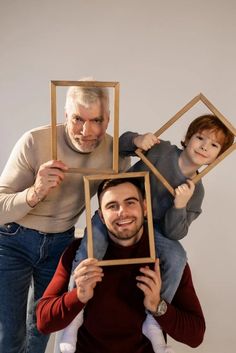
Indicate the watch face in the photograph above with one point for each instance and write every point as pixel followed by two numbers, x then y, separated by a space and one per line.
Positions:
pixel 161 309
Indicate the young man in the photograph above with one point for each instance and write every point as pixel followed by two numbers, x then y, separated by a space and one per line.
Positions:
pixel 206 138
pixel 40 203
pixel 115 299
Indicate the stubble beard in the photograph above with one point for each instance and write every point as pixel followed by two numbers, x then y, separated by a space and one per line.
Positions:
pixel 119 235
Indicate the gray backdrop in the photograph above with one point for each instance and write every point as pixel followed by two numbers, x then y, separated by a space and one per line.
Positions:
pixel 163 53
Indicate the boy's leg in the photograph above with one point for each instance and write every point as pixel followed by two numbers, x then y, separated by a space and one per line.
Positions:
pixel 100 241
pixel 173 260
pixel 68 337
pixel 152 330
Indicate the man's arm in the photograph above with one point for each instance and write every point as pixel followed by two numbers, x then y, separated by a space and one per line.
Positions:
pixel 22 187
pixel 58 307
pixel 184 320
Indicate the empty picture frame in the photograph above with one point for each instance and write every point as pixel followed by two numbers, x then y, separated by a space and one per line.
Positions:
pixel 116 87
pixel 145 175
pixel 178 115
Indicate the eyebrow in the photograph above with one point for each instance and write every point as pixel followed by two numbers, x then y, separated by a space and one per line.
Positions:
pixel 101 118
pixel 128 199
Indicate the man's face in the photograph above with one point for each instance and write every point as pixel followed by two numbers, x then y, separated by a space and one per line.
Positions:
pixel 123 211
pixel 202 148
pixel 87 126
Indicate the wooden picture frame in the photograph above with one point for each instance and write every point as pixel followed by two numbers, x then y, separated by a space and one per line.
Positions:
pixel 53 85
pixel 178 115
pixel 145 175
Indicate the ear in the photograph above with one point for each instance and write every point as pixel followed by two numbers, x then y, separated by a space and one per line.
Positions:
pixel 185 143
pixel 101 216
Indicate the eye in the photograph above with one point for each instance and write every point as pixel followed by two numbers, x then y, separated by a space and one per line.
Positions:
pixel 215 145
pixel 199 137
pixel 130 202
pixel 98 121
pixel 112 207
pixel 77 119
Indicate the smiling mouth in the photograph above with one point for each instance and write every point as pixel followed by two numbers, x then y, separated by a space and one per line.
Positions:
pixel 125 222
pixel 199 154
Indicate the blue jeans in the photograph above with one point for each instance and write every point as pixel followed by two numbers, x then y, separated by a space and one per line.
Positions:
pixel 27 257
pixel 172 256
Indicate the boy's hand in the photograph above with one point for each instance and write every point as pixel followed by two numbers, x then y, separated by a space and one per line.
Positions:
pixel 146 141
pixel 86 276
pixel 150 284
pixel 183 194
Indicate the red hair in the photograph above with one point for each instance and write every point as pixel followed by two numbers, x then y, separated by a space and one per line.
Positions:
pixel 210 122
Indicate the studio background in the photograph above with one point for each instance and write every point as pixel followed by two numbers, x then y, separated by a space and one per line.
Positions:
pixel 163 53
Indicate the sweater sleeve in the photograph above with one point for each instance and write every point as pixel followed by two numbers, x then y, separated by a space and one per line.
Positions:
pixel 184 320
pixel 18 175
pixel 176 222
pixel 126 145
pixel 58 307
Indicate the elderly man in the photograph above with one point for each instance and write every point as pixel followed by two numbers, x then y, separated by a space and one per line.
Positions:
pixel 40 204
pixel 115 298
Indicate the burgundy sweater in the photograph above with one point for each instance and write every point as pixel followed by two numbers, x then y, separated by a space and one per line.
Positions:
pixel 113 318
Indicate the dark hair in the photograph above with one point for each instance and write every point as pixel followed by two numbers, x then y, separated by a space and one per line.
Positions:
pixel 210 122
pixel 108 183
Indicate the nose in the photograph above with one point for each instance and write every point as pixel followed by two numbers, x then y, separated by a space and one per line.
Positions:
pixel 86 128
pixel 204 146
pixel 122 211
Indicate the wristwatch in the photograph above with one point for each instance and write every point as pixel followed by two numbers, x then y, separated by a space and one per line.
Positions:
pixel 161 309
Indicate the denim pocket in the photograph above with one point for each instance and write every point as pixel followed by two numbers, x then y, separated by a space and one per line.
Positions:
pixel 9 229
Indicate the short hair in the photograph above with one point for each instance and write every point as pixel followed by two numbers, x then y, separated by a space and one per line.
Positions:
pixel 87 96
pixel 108 183
pixel 213 123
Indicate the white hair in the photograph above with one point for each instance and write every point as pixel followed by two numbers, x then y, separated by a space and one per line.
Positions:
pixel 86 96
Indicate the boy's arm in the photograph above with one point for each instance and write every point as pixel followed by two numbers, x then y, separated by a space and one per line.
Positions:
pixel 130 141
pixel 176 221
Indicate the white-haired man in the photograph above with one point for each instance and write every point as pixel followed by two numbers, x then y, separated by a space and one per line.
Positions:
pixel 40 204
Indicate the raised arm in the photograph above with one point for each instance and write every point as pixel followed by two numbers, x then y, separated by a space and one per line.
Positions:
pixel 58 307
pixel 179 216
pixel 24 182
pixel 130 141
pixel 184 320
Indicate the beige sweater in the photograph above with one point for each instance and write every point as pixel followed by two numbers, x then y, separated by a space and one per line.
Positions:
pixel 60 210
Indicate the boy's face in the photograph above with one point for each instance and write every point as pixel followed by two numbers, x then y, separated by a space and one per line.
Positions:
pixel 203 148
pixel 123 211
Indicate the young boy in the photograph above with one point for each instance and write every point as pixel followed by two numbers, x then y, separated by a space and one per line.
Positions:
pixel 205 139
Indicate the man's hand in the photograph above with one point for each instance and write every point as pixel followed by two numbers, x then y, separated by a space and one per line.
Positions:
pixel 86 276
pixel 183 194
pixel 150 284
pixel 146 141
pixel 49 176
